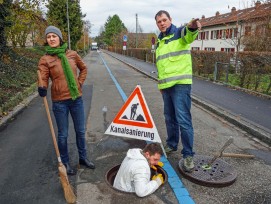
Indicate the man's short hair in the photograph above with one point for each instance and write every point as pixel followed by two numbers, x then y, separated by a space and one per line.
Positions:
pixel 153 148
pixel 159 13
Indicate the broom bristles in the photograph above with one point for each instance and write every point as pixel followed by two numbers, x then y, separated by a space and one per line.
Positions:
pixel 67 188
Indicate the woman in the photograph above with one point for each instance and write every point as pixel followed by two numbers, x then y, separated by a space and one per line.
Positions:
pixel 60 65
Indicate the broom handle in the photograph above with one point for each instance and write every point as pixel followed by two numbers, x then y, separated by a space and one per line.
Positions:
pixel 50 121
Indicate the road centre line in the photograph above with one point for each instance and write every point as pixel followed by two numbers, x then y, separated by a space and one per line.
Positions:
pixel 174 181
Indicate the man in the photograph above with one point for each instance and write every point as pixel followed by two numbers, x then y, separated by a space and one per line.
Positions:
pixel 174 64
pixel 134 173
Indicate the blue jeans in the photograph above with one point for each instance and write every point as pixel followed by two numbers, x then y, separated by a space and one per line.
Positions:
pixel 177 106
pixel 61 111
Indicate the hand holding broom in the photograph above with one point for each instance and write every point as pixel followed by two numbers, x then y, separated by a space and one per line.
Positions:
pixel 67 188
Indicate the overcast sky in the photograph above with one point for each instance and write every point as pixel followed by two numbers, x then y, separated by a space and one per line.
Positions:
pixel 97 11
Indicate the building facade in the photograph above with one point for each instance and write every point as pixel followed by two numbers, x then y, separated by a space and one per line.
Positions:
pixel 225 32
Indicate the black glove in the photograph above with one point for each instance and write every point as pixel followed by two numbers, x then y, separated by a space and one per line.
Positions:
pixel 42 91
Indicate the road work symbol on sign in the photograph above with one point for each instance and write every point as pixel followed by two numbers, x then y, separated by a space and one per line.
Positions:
pixel 134 119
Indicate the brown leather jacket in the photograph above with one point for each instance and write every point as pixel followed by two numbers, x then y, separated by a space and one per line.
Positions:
pixel 50 67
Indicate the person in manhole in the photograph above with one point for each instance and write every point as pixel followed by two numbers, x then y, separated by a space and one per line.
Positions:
pixel 134 174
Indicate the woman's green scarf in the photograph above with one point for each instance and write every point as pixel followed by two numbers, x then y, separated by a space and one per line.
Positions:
pixel 61 53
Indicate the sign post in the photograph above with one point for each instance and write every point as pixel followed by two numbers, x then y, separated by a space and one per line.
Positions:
pixel 124 42
pixel 152 42
pixel 152 48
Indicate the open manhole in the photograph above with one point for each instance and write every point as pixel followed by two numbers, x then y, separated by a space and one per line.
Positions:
pixel 219 174
pixel 111 174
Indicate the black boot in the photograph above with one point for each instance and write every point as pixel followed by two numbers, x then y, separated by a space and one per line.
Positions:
pixel 87 163
pixel 70 171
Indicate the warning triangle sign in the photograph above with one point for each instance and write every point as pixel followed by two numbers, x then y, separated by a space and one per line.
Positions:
pixel 134 119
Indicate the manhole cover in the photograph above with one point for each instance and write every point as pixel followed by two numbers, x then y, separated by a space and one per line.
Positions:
pixel 111 174
pixel 219 174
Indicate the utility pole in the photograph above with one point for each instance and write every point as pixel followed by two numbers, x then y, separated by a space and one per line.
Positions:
pixel 136 29
pixel 68 21
pixel 84 32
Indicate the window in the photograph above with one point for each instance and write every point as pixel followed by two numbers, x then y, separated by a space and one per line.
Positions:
pixel 195 48
pixel 223 34
pixel 215 34
pixel 199 36
pixel 219 34
pixel 227 50
pixel 230 33
pixel 202 35
pixel 227 33
pixel 209 48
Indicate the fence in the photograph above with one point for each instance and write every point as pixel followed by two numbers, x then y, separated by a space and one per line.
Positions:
pixel 250 70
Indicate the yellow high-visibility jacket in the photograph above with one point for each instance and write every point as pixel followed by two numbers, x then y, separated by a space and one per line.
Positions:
pixel 173 56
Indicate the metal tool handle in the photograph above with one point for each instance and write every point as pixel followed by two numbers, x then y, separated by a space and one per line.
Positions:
pixel 219 153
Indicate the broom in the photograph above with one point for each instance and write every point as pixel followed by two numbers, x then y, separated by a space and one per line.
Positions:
pixel 67 188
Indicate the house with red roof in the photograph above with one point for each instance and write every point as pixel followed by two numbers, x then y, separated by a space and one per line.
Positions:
pixel 226 32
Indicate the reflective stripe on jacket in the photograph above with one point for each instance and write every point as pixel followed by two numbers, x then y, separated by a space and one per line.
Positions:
pixel 173 57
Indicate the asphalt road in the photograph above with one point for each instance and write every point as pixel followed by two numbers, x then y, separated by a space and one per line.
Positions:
pixel 211 132
pixel 28 165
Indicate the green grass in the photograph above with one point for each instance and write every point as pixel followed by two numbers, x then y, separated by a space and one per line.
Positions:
pixel 234 80
pixel 264 82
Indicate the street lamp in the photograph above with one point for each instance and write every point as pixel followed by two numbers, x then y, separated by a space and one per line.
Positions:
pixel 68 21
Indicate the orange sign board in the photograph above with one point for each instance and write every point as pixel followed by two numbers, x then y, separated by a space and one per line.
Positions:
pixel 134 119
pixel 128 104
